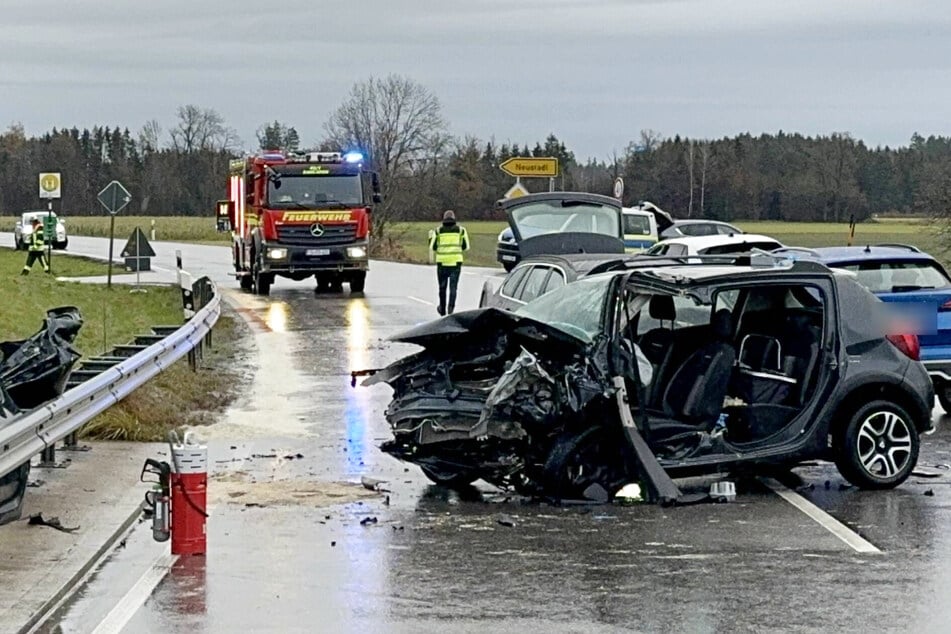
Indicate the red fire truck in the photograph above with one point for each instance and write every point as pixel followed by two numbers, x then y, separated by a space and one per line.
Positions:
pixel 297 215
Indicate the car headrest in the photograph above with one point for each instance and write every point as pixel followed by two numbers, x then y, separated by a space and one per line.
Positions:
pixel 722 324
pixel 662 307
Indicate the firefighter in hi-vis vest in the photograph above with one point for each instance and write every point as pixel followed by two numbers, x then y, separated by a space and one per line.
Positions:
pixel 36 245
pixel 447 242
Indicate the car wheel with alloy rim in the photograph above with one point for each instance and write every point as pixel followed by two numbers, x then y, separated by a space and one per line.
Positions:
pixel 878 448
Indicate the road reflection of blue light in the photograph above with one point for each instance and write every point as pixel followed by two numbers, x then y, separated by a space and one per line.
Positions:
pixel 357 408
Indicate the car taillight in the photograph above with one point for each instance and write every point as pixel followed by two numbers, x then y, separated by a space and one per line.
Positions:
pixel 945 306
pixel 908 344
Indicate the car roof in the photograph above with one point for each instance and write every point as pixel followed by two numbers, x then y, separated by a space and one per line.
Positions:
pixel 703 242
pixel 581 263
pixel 700 221
pixel 717 268
pixel 841 254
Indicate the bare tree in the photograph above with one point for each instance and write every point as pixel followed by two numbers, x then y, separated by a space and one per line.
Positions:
pixel 398 124
pixel 150 136
pixel 650 140
pixel 690 176
pixel 202 129
pixel 704 162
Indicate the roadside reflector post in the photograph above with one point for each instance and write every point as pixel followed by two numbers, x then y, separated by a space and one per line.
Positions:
pixel 189 484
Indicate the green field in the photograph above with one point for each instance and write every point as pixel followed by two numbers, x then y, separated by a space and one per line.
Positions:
pixel 411 237
pixel 168 228
pixel 919 233
pixel 110 317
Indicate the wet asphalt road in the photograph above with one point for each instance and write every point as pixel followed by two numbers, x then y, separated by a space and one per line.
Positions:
pixel 441 561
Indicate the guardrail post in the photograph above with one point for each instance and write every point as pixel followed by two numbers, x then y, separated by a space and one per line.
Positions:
pixel 48 459
pixel 71 443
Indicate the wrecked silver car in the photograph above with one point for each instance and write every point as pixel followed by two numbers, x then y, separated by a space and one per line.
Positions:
pixel 32 372
pixel 661 371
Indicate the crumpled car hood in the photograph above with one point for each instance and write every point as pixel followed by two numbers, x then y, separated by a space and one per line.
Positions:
pixel 35 370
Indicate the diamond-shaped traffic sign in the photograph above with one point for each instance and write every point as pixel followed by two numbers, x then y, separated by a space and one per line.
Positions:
pixel 114 197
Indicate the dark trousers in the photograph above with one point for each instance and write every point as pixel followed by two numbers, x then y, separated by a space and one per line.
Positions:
pixel 447 276
pixel 31 260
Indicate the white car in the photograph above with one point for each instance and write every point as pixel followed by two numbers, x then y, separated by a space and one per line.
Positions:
pixel 24 227
pixel 714 245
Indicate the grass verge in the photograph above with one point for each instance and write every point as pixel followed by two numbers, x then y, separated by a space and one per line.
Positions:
pixel 179 397
pixel 110 316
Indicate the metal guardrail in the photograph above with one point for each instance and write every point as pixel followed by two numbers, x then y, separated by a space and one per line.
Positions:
pixel 38 430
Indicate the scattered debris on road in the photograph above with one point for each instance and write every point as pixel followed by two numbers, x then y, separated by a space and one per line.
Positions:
pixel 53 522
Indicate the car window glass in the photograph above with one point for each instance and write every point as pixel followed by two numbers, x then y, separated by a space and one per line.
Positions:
pixel 555 281
pixel 637 225
pixel 534 283
pixel 687 312
pixel 740 247
pixel 658 249
pixel 699 229
pixel 576 308
pixel 511 284
pixel 538 218
pixel 890 277
pixel 725 299
pixel 676 250
pixel 725 230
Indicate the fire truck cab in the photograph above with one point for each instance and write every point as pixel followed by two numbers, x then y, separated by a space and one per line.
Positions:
pixel 297 215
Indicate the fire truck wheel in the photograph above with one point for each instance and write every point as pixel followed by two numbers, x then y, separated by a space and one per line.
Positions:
pixel 247 284
pixel 357 282
pixel 336 286
pixel 262 281
pixel 323 283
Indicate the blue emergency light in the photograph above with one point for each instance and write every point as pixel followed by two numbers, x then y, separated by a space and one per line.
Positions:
pixel 353 157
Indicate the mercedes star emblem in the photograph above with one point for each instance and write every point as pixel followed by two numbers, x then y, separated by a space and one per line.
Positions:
pixel 316 230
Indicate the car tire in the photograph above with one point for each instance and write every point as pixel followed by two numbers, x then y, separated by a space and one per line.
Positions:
pixel 358 282
pixel 943 392
pixel 579 460
pixel 13 491
pixel 878 448
pixel 449 479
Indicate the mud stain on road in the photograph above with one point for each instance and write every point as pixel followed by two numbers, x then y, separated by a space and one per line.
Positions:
pixel 242 489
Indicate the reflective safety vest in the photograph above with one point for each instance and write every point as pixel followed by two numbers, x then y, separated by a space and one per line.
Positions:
pixel 448 244
pixel 36 240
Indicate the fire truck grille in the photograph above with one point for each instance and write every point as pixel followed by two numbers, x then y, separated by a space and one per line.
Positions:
pixel 303 235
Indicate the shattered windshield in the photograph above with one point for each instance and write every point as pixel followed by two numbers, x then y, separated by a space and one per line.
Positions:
pixel 311 192
pixel 576 309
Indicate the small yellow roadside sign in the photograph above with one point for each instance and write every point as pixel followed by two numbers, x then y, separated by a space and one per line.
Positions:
pixel 50 185
pixel 515 191
pixel 531 166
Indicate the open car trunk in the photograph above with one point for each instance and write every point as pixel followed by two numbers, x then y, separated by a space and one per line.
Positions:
pixel 557 223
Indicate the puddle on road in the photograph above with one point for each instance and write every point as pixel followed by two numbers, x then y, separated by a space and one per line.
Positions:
pixel 242 489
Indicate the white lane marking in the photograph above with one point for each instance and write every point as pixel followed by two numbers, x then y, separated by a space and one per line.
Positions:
pixel 852 539
pixel 421 301
pixel 137 595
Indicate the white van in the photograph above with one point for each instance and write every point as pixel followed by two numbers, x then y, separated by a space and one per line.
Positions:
pixel 642 226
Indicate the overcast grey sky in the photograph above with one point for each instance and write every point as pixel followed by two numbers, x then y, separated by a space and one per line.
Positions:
pixel 594 72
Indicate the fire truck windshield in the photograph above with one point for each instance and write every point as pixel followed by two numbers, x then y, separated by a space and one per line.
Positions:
pixel 312 192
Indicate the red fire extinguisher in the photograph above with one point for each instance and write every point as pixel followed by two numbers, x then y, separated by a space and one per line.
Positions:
pixel 189 486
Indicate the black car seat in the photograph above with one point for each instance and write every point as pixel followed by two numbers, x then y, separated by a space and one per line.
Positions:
pixel 801 354
pixel 657 343
pixel 694 395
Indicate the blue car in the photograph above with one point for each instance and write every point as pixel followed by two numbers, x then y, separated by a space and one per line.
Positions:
pixel 902 273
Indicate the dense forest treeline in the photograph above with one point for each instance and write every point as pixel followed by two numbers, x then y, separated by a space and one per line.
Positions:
pixel 770 177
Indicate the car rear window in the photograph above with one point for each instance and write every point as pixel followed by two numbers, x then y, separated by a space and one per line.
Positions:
pixel 637 225
pixel 698 229
pixel 895 277
pixel 740 247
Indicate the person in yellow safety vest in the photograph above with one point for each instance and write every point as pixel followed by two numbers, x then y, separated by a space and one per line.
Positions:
pixel 447 242
pixel 36 247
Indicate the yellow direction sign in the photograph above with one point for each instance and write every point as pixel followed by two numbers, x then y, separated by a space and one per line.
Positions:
pixel 50 185
pixel 531 166
pixel 515 191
